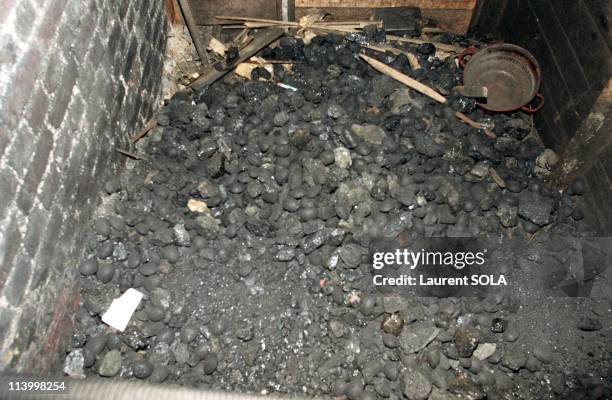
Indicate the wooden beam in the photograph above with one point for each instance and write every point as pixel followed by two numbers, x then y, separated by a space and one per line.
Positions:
pixel 262 38
pixel 193 30
pixel 451 20
pixel 592 138
pixel 173 12
pixel 434 4
pixel 204 11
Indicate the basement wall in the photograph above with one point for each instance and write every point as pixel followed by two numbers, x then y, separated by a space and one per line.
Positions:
pixel 77 78
pixel 572 40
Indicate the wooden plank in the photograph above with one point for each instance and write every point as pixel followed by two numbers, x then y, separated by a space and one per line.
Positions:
pixel 487 16
pixel 262 38
pixel 405 79
pixel 545 127
pixel 204 11
pixel 456 21
pixel 601 12
pixel 451 20
pixel 552 131
pixel 590 140
pixel 563 53
pixel 173 14
pixel 531 38
pixel 586 39
pixel 290 9
pixel 193 30
pixel 432 4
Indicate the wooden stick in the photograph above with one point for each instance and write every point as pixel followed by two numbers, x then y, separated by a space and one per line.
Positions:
pixel 496 178
pixel 475 124
pixel 293 23
pixel 421 88
pixel 324 26
pixel 191 26
pixel 270 62
pixel 260 40
pixel 442 46
pixel 413 61
pixel 152 123
pixel 217 46
pixel 131 155
pixel 269 21
pixel 405 79
pixel 428 29
pixel 255 25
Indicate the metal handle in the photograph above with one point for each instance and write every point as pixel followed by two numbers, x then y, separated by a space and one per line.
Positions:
pixel 530 110
pixel 467 52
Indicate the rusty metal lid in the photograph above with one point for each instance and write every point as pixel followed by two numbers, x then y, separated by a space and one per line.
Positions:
pixel 510 73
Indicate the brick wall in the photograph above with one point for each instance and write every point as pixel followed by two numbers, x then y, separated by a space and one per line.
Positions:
pixel 76 79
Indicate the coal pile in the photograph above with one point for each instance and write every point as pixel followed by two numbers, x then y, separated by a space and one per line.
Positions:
pixel 248 228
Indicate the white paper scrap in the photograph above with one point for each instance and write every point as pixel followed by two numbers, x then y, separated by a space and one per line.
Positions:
pixel 121 309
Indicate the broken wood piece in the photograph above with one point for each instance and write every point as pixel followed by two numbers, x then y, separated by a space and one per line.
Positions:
pixel 475 124
pixel 405 79
pixel 312 18
pixel 130 154
pixel 250 19
pixel 152 123
pixel 192 27
pixel 472 91
pixel 309 21
pixel 496 178
pixel 242 39
pixel 217 47
pixel 251 61
pixel 245 69
pixel 413 61
pixel 428 29
pixel 260 40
